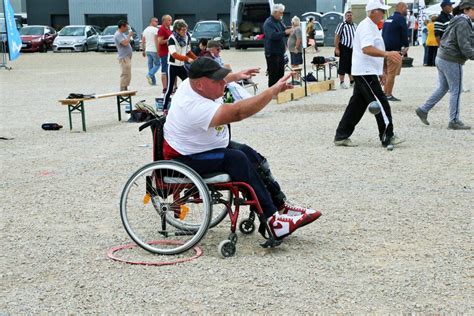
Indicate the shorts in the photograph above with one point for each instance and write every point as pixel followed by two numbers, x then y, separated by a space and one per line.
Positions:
pixel 296 58
pixel 164 64
pixel 393 69
pixel 345 60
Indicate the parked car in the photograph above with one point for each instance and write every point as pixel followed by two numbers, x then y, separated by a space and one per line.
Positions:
pixel 106 39
pixel 318 34
pixel 37 38
pixel 76 38
pixel 212 30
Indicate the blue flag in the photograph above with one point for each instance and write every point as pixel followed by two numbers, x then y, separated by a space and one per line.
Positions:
pixel 14 39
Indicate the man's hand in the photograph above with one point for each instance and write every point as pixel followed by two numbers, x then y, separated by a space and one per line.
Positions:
pixel 383 79
pixel 337 51
pixel 143 53
pixel 288 31
pixel 282 85
pixel 130 34
pixel 248 73
pixel 394 57
pixel 190 60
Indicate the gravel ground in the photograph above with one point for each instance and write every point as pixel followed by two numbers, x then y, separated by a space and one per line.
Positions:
pixel 395 235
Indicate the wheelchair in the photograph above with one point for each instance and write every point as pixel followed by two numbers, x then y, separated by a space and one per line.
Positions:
pixel 167 208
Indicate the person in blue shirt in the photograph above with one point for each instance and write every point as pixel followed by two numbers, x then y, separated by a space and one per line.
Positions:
pixel 275 34
pixel 395 37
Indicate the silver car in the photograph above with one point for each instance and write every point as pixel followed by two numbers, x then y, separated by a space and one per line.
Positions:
pixel 107 43
pixel 76 38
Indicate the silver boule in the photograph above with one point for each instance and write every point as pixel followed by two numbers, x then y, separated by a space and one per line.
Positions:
pixel 390 147
pixel 374 107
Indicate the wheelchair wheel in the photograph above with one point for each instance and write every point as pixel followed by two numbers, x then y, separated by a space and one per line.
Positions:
pixel 166 200
pixel 221 202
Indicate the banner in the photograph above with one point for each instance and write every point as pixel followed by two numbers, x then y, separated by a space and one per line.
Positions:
pixel 421 20
pixel 13 37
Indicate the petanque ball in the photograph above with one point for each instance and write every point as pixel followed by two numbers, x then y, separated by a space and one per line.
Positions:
pixel 374 107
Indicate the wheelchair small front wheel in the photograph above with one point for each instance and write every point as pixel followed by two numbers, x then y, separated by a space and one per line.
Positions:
pixel 247 226
pixel 161 193
pixel 226 248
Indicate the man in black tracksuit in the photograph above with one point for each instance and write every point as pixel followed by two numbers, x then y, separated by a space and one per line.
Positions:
pixel 275 44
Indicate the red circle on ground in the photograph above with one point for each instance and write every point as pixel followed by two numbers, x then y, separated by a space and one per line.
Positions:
pixel 111 253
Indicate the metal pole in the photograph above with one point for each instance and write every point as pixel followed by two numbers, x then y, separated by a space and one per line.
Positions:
pixel 304 71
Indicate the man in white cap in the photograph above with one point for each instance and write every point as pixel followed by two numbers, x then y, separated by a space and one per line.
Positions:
pixel 367 69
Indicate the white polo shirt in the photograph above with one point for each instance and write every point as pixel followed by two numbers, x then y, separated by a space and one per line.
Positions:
pixel 187 125
pixel 367 34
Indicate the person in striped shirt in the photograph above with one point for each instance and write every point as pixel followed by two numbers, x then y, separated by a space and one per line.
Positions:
pixel 343 42
pixel 443 19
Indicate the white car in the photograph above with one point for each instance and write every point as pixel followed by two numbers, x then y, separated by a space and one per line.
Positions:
pixel 76 38
pixel 318 34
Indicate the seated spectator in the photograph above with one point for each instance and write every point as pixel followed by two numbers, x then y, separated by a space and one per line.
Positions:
pixel 201 49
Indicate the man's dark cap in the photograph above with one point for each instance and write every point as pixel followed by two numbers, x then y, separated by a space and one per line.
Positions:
pixel 466 4
pixel 446 2
pixel 207 67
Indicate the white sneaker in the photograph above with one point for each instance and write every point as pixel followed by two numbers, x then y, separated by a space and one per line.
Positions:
pixel 343 85
pixel 283 225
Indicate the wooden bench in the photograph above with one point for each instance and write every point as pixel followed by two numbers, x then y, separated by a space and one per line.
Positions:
pixel 322 67
pixel 123 97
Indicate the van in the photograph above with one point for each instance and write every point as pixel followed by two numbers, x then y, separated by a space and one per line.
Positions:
pixel 246 21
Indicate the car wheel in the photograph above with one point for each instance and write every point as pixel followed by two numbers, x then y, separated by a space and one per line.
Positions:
pixel 85 49
pixel 43 48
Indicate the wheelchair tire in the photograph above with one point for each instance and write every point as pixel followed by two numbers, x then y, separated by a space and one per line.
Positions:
pixel 161 193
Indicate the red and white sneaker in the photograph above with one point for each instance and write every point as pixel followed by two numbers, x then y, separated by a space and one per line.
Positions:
pixel 293 210
pixel 282 225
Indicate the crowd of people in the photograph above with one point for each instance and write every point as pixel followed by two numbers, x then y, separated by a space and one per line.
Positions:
pixel 197 128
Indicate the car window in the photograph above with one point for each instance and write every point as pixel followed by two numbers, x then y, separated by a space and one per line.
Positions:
pixel 207 28
pixel 110 30
pixel 90 33
pixel 317 26
pixel 32 30
pixel 72 31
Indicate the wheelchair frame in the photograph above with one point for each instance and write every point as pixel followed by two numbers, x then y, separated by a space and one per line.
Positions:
pixel 240 194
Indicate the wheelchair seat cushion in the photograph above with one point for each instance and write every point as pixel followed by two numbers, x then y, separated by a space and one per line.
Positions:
pixel 208 179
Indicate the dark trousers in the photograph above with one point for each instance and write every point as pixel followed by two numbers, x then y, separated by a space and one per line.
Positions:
pixel 275 68
pixel 432 52
pixel 345 60
pixel 241 163
pixel 364 89
pixel 173 72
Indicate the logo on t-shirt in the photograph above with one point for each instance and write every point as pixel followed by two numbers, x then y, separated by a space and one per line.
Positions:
pixel 220 130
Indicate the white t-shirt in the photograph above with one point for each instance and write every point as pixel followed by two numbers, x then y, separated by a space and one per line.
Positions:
pixel 187 125
pixel 367 34
pixel 150 34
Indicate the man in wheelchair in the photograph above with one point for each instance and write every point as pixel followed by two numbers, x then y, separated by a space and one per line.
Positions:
pixel 197 134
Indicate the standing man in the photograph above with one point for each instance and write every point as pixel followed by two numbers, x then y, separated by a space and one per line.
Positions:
pixel 395 37
pixel 150 50
pixel 345 32
pixel 442 21
pixel 367 69
pixel 163 34
pixel 294 43
pixel 275 44
pixel 124 51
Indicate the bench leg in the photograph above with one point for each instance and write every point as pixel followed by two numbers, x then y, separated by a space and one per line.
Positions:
pixel 80 108
pixel 123 100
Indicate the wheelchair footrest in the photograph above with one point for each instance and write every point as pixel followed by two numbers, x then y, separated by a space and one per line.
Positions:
pixel 271 243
